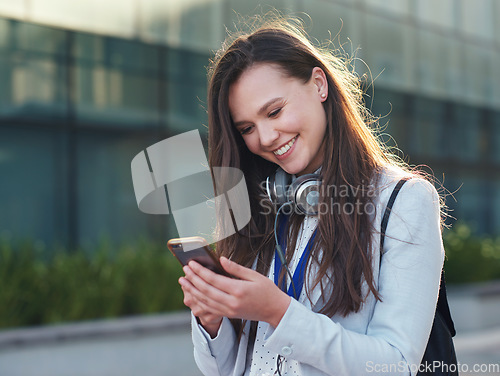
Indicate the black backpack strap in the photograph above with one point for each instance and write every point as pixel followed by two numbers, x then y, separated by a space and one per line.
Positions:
pixel 387 212
pixel 442 303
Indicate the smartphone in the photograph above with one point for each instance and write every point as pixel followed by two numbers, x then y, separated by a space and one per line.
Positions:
pixel 195 248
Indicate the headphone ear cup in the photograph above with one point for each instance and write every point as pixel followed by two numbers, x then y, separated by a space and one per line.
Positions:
pixel 282 182
pixel 304 193
pixel 277 187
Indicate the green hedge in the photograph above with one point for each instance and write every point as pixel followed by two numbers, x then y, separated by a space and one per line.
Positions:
pixel 50 286
pixel 470 258
pixel 37 288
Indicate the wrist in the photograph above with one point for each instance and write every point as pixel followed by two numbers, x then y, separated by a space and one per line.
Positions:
pixel 281 308
pixel 212 327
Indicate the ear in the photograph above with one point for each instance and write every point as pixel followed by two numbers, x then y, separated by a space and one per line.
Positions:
pixel 319 78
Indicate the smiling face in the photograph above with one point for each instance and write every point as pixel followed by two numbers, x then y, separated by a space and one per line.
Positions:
pixel 281 118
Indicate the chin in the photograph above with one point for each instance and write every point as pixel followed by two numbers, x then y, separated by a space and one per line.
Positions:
pixel 295 171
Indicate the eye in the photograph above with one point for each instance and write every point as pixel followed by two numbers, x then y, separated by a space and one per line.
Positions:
pixel 274 113
pixel 245 130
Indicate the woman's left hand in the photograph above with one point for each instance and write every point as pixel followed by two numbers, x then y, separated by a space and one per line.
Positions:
pixel 251 297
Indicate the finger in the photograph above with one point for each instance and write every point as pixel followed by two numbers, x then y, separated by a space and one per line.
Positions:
pixel 203 290
pixel 238 270
pixel 197 275
pixel 186 286
pixel 204 305
pixel 188 300
pixel 218 281
pixel 196 305
pixel 230 291
pixel 191 297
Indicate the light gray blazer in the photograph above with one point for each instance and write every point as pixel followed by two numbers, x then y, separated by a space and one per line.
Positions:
pixel 387 337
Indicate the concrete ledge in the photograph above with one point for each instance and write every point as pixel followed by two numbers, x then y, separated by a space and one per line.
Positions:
pixel 477 341
pixel 475 307
pixel 147 324
pixel 481 289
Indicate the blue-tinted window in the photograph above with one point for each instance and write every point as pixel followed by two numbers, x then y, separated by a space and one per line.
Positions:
pixel 33 73
pixel 39 39
pixel 33 88
pixel 495 207
pixel 116 82
pixel 465 133
pixel 34 189
pixel 495 135
pixel 390 108
pixel 428 128
pixel 473 203
pixel 186 90
pixel 5 33
pixel 106 206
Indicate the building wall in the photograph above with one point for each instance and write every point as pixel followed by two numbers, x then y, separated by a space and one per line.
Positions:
pixel 75 108
pixel 87 84
pixel 447 49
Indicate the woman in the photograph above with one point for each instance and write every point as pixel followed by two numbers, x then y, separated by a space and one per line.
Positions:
pixel 275 101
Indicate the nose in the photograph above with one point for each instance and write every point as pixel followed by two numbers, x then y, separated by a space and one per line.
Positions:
pixel 267 135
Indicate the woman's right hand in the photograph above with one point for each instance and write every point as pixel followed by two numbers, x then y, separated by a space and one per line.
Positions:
pixel 210 321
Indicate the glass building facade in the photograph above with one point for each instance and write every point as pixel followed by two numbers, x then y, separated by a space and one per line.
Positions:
pixel 86 87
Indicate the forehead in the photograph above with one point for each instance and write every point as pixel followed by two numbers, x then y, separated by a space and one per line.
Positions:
pixel 256 86
pixel 256 75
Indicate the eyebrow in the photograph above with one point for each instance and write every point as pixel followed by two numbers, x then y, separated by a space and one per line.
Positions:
pixel 261 110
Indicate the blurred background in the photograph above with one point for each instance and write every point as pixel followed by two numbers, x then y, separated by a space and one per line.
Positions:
pixel 85 85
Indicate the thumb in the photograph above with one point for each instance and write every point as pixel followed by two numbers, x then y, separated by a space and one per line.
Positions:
pixel 237 270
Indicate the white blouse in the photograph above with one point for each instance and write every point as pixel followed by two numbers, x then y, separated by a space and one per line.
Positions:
pixel 263 360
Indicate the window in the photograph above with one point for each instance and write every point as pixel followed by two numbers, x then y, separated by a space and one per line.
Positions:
pixel 465 134
pixel 116 82
pixel 470 205
pixel 399 7
pixel 495 135
pixel 476 18
pixel 438 65
pixel 390 108
pixel 186 90
pixel 390 50
pixel 428 133
pixel 106 205
pixel 34 189
pixel 33 73
pixel 440 13
pixel 478 73
pixel 495 207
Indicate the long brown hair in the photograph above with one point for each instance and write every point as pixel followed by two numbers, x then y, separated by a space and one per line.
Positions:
pixel 353 158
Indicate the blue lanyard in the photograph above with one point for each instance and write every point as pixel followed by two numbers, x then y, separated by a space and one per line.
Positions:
pixel 298 275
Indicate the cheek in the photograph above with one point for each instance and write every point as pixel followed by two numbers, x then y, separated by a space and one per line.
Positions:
pixel 322 126
pixel 320 123
pixel 252 143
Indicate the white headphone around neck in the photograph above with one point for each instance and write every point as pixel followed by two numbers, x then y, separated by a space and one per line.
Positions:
pixel 302 193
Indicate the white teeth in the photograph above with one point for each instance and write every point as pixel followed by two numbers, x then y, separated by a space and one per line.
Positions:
pixel 285 148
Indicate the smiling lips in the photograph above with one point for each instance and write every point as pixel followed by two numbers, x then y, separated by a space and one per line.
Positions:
pixel 286 148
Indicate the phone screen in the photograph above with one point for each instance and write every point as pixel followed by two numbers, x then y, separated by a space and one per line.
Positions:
pixel 199 255
pixel 202 255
